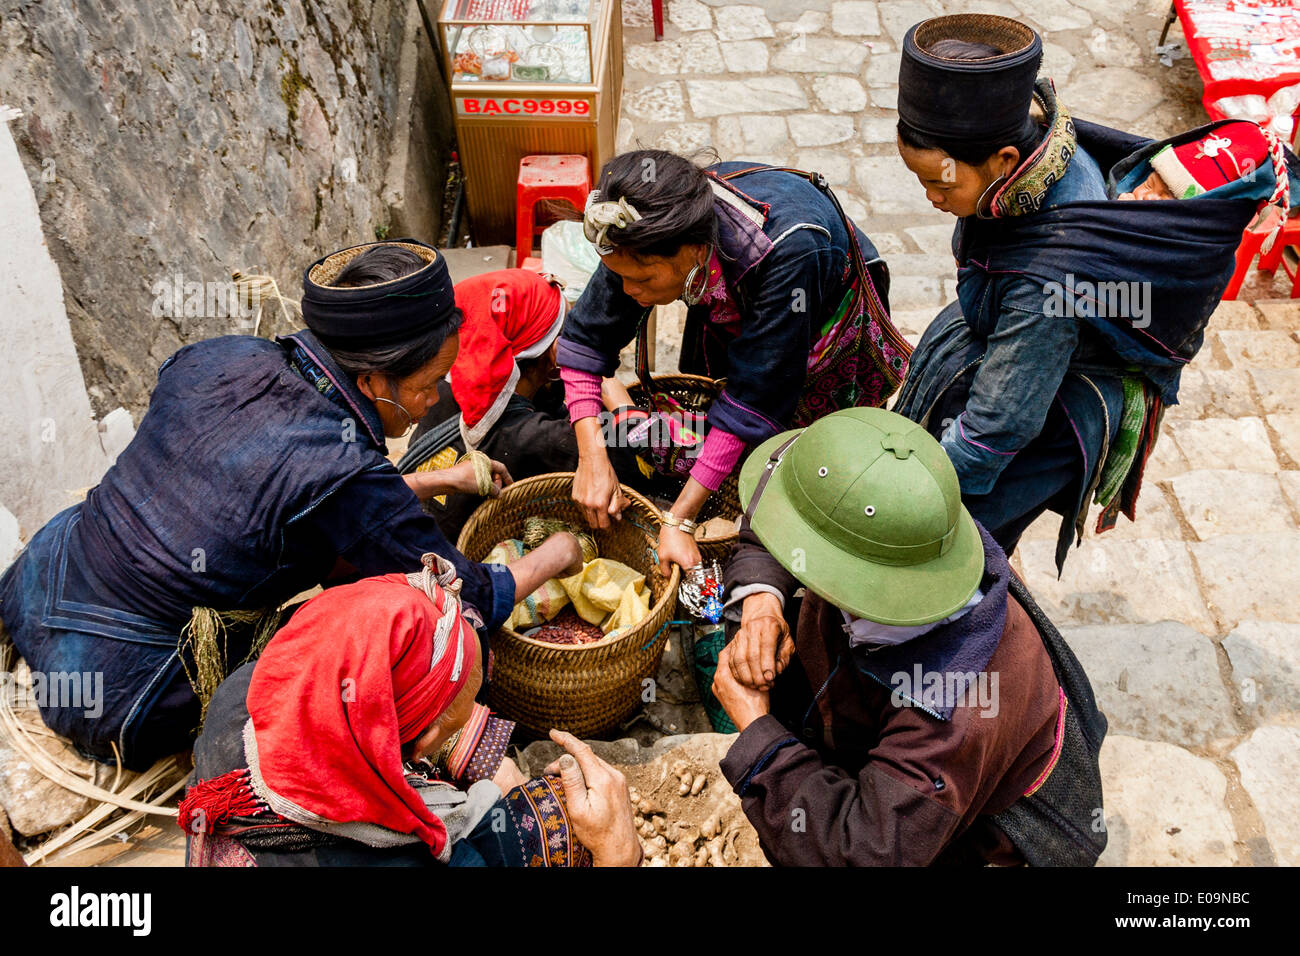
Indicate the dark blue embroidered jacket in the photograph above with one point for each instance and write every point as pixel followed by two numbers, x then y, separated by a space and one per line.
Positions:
pixel 785 255
pixel 245 485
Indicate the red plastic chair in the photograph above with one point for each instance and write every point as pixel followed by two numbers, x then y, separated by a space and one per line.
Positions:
pixel 565 176
pixel 1252 244
pixel 657 6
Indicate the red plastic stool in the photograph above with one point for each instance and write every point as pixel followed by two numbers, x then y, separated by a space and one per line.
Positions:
pixel 1252 243
pixel 565 177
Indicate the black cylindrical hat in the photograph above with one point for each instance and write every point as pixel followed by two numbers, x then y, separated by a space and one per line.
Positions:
pixel 984 99
pixel 385 313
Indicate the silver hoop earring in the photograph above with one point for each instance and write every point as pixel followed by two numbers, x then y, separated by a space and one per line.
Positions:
pixel 979 205
pixel 409 420
pixel 693 297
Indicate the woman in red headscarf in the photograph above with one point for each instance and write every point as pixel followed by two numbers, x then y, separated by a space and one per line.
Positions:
pixel 498 397
pixel 355 740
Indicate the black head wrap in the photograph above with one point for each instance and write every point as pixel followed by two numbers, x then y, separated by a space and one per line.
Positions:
pixel 386 313
pixel 985 100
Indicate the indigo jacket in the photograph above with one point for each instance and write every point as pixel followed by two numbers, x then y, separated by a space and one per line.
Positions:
pixel 258 472
pixel 1033 326
pixel 1023 350
pixel 785 255
pixel 1009 348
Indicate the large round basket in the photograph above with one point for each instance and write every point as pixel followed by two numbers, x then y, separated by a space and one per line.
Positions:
pixel 697 392
pixel 586 689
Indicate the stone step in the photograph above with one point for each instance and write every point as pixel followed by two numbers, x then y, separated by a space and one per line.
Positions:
pixel 1217 502
pixel 1117 581
pixel 1269 762
pixel 1265 658
pixel 1164 806
pixel 1156 681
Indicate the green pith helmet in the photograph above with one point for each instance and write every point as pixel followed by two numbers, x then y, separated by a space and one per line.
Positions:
pixel 864 508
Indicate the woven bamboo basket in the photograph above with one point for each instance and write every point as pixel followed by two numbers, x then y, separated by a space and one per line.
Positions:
pixel 697 392
pixel 586 689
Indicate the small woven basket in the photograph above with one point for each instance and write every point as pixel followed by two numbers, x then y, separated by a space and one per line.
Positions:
pixel 697 393
pixel 586 689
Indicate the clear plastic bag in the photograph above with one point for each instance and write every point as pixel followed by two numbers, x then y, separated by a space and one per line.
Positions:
pixel 567 255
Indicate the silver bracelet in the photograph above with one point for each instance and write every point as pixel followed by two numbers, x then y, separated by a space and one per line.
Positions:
pixel 672 521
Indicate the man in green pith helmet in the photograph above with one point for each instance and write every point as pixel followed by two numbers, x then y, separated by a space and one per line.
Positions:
pixel 915 707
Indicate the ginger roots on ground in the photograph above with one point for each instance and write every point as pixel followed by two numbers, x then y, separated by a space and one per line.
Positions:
pixel 677 843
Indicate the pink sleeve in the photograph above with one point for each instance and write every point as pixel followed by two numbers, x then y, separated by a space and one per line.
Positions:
pixel 721 452
pixel 581 394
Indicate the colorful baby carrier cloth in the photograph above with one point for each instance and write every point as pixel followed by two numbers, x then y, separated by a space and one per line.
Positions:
pixel 1176 256
pixel 857 357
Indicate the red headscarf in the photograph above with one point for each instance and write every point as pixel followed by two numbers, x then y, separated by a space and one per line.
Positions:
pixel 509 314
pixel 355 674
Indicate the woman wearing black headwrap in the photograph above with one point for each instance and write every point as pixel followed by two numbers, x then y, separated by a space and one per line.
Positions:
pixel 1023 400
pixel 258 472
pixel 1047 380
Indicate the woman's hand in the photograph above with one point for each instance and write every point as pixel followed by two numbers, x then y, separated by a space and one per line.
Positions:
pixel 576 562
pixel 743 705
pixel 614 394
pixel 560 555
pixel 596 796
pixel 508 775
pixel 676 547
pixel 762 647
pixel 461 478
pixel 458 479
pixel 595 484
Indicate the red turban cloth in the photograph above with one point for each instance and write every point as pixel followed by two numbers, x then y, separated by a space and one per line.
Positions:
pixel 509 314
pixel 358 671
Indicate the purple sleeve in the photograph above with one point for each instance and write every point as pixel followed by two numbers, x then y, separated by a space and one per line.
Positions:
pixel 581 394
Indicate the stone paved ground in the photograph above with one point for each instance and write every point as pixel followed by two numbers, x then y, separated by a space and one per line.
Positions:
pixel 1186 620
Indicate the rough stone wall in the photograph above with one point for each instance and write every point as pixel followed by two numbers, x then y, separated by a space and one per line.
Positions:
pixel 190 138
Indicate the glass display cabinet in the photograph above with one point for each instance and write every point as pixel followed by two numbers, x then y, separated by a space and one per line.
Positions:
pixel 528 76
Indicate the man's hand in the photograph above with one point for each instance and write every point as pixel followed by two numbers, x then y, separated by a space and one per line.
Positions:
pixel 596 796
pixel 762 647
pixel 743 705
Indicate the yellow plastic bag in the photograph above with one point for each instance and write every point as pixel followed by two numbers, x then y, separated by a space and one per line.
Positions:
pixel 608 593
pixel 540 606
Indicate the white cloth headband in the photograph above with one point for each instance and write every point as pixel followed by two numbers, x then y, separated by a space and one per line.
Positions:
pixel 598 217
pixel 440 572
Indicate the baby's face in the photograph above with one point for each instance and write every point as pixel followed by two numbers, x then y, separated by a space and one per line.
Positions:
pixel 1153 187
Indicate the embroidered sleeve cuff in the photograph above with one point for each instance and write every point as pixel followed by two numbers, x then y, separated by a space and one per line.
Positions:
pixel 718 457
pixel 743 421
pixel 583 358
pixel 977 463
pixel 480 747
